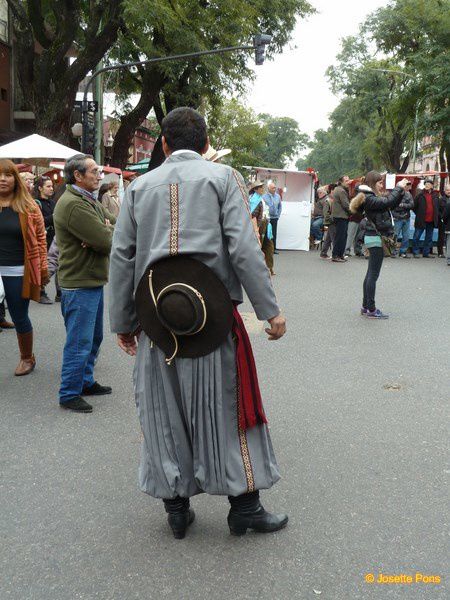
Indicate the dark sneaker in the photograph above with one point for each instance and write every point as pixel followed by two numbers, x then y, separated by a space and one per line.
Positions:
pixel 97 390
pixel 364 311
pixel 44 299
pixel 339 260
pixel 77 404
pixel 376 314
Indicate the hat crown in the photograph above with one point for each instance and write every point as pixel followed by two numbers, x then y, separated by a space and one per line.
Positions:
pixel 181 309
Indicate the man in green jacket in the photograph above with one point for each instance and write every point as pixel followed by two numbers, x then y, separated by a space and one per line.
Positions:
pixel 84 231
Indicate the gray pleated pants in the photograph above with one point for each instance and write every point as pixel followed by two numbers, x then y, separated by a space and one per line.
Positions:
pixel 188 413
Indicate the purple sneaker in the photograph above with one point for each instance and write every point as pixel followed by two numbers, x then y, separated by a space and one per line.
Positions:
pixel 376 314
pixel 364 311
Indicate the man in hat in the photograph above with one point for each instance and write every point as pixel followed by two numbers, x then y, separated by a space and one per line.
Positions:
pixel 426 208
pixel 203 425
pixel 214 155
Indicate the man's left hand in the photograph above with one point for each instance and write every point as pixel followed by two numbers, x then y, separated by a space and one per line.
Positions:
pixel 128 342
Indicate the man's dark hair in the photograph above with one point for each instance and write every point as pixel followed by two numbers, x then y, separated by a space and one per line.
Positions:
pixel 185 129
pixel 341 179
pixel 75 163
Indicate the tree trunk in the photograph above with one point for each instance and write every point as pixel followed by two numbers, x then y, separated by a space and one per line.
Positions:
pixel 48 83
pixel 405 164
pixel 151 86
pixel 158 157
pixel 444 155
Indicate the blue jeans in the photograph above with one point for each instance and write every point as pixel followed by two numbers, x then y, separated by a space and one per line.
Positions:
pixel 316 228
pixel 17 306
pixel 83 317
pixel 427 244
pixel 402 229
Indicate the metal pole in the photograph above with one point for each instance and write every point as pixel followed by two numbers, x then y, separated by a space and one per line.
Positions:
pixel 416 125
pixel 99 117
pixel 84 116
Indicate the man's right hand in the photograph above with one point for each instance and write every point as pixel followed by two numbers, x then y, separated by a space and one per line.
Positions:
pixel 277 327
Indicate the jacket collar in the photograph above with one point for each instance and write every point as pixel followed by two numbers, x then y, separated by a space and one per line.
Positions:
pixel 365 188
pixel 82 193
pixel 173 158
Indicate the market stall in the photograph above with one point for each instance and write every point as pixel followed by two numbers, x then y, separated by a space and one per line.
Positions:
pixel 297 191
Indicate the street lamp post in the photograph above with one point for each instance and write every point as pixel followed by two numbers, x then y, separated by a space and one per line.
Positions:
pixel 259 43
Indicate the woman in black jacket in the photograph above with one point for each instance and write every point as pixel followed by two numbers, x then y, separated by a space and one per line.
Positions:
pixel 46 203
pixel 376 209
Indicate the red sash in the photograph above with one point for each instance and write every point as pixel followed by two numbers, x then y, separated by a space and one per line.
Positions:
pixel 251 411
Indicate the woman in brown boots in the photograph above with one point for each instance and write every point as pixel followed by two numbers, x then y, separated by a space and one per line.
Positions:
pixel 23 257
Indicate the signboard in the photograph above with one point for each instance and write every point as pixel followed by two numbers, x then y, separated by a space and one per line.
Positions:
pixel 92 105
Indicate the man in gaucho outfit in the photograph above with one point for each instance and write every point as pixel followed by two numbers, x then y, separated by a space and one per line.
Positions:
pixel 204 427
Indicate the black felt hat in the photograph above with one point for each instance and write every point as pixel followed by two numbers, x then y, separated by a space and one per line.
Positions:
pixel 183 307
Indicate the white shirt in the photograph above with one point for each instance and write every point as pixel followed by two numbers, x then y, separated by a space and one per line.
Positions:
pixel 180 151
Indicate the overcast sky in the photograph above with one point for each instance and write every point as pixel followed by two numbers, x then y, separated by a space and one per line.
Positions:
pixel 294 83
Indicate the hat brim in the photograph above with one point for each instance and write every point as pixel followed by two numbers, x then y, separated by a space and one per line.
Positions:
pixel 219 307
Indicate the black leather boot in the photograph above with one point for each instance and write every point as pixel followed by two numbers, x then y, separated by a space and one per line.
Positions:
pixel 247 512
pixel 180 515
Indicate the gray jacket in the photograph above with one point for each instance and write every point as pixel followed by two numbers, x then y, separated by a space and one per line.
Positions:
pixel 403 210
pixel 187 206
pixel 340 208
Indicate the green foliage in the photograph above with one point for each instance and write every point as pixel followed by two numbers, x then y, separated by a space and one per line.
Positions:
pixel 257 140
pixel 231 125
pixel 283 142
pixel 167 27
pixel 374 123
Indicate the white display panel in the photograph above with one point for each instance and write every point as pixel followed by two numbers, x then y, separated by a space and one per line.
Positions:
pixel 295 220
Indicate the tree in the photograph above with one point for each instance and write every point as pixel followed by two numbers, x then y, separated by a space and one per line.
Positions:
pixel 45 33
pixel 377 113
pixel 255 140
pixel 376 104
pixel 284 141
pixel 231 125
pixel 164 27
pixel 417 35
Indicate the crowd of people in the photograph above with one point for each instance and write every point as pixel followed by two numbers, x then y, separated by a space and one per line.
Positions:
pixel 334 226
pixel 376 223
pixel 168 305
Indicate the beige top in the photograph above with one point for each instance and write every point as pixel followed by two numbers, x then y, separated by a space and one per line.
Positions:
pixel 111 203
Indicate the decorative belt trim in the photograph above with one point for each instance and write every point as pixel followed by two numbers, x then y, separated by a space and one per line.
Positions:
pixel 174 219
pixel 245 454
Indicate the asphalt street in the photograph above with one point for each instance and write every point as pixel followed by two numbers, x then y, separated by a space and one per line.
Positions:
pixel 358 412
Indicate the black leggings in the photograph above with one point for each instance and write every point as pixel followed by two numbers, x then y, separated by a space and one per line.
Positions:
pixel 370 282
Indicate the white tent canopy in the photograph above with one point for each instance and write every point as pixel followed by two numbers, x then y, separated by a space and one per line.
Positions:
pixel 37 149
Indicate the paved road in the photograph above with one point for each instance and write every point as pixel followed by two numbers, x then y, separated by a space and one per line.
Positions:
pixel 364 470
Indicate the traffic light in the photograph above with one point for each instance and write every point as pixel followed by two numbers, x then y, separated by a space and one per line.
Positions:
pixel 260 41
